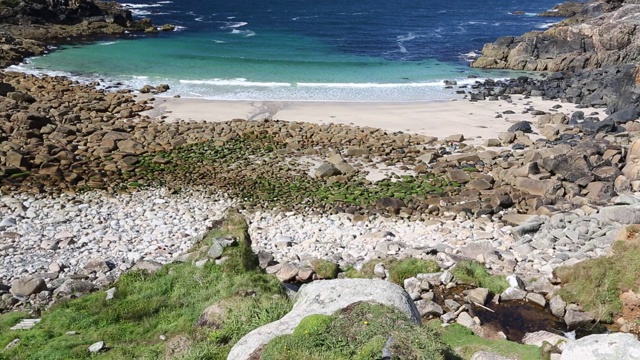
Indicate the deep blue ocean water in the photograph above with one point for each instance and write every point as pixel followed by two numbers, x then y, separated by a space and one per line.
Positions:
pixel 360 50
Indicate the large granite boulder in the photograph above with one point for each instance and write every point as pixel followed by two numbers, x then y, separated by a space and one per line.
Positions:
pixel 616 346
pixel 326 297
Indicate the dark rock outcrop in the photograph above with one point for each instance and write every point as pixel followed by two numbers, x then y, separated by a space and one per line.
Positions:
pixel 601 34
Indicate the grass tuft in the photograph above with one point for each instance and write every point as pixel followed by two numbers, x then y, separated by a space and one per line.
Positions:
pixel 473 273
pixel 399 270
pixel 596 284
pixel 325 269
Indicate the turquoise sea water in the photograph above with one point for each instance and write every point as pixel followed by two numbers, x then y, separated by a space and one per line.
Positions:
pixel 368 50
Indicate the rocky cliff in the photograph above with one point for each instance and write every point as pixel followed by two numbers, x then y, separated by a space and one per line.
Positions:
pixel 602 33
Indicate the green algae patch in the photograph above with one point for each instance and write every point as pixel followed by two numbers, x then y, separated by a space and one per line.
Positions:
pixel 261 170
pixel 360 331
pixel 473 273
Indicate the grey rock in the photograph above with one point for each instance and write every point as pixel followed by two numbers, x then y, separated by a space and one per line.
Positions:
pixel 478 296
pixel 27 285
pixel 524 126
pixel 96 347
pixel 539 337
pixel 72 286
pixel 576 318
pixel 542 285
pixel 264 259
pixel 12 344
pixel 147 265
pixel 428 308
pixel 451 304
pixel 446 277
pixel 448 317
pixel 513 294
pixel 326 297
pixel 326 170
pixel 526 228
pixel 624 214
pixel 412 287
pixel 536 298
pixel 379 270
pixel 486 355
pixel 465 320
pixel 96 265
pixel 287 272
pixel 616 346
pixel 110 294
pixel 515 281
pixel 215 251
pixel 345 168
pixel 7 222
pixel 201 263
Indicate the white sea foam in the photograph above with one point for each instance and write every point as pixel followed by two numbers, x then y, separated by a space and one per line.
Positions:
pixel 139 6
pixel 235 82
pixel 546 25
pixel 401 39
pixel 235 25
pixel 165 2
pixel 470 56
pixel 370 85
pixel 140 12
pixel 106 43
pixel 245 33
pixel 219 41
pixel 199 18
pixel 473 22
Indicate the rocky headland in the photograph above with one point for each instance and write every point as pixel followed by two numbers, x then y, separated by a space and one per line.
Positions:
pixel 28 26
pixel 95 185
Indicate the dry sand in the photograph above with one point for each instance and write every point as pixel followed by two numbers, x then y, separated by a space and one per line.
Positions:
pixel 475 120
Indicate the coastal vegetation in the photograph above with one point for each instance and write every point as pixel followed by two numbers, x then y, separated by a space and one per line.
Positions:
pixel 190 310
pixel 473 273
pixel 359 332
pixel 399 270
pixel 597 284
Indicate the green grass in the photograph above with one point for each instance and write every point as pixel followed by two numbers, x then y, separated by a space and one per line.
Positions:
pixel 357 332
pixel 596 284
pixel 325 269
pixel 399 270
pixel 146 306
pixel 463 343
pixel 473 273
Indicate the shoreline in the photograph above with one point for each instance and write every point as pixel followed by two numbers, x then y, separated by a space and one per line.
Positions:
pixel 479 120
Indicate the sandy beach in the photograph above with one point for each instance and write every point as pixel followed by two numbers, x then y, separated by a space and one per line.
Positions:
pixel 475 120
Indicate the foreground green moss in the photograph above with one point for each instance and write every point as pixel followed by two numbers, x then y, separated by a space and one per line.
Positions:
pixel 473 273
pixel 596 284
pixel 146 306
pixel 359 332
pixel 464 344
